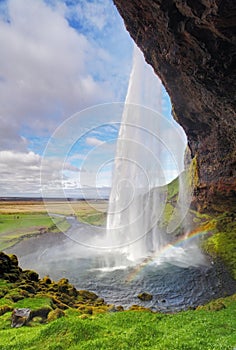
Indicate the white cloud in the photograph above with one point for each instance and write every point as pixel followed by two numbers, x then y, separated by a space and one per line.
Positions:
pixel 21 173
pixel 93 141
pixel 94 13
pixel 43 67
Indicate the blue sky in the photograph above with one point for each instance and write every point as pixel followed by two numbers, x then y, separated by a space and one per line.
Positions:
pixel 59 58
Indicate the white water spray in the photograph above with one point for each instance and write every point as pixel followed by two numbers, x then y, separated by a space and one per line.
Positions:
pixel 134 208
pixel 146 142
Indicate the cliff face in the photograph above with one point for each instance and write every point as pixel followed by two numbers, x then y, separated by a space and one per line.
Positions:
pixel 191 46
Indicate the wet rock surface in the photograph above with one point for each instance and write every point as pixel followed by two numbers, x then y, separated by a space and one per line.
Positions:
pixel 191 46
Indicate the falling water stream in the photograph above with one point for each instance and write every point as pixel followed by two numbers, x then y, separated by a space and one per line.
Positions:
pixel 137 200
pixel 133 209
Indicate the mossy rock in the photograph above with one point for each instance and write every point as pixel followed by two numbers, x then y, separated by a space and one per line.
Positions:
pixel 113 308
pixel 59 304
pixel 215 305
pixel 99 301
pixel 28 287
pixel 31 275
pixel 72 292
pixel 139 308
pixel 4 309
pixel 87 295
pixel 120 308
pixel 15 295
pixel 100 309
pixel 5 264
pixel 55 314
pixel 17 286
pixel 145 296
pixel 66 299
pixel 12 276
pixel 85 310
pixel 53 288
pixel 46 280
pixel 13 259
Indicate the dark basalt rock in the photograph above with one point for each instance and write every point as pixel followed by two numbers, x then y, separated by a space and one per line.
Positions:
pixel 191 46
pixel 145 296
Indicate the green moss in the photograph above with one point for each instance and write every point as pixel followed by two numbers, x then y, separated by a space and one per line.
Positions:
pixel 193 173
pixel 218 304
pixel 55 314
pixel 223 245
pixel 168 212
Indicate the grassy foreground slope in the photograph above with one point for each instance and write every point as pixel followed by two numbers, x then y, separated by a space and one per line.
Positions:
pixel 189 330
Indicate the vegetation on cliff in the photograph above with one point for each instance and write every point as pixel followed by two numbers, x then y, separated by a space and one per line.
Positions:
pixel 216 228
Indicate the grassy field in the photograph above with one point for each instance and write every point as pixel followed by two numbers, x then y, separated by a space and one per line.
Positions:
pixel 57 207
pixel 203 329
pixel 15 227
pixel 21 219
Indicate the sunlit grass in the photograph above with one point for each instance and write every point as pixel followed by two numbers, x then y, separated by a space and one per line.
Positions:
pixel 189 330
pixel 15 227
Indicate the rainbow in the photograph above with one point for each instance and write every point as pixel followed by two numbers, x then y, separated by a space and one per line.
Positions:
pixel 197 232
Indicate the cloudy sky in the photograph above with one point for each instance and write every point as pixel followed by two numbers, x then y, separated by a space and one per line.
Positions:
pixel 58 60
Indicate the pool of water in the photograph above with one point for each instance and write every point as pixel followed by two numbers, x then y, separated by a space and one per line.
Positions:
pixel 173 287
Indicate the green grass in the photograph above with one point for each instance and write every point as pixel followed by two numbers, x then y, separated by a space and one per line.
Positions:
pixel 14 227
pixel 10 222
pixel 34 303
pixel 190 330
pixel 167 215
pixel 92 218
pixel 173 189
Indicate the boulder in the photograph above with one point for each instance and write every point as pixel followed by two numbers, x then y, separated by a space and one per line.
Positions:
pixel 20 317
pixel 145 296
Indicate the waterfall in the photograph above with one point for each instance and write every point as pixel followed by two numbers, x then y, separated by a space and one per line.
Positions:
pixel 148 146
pixel 134 208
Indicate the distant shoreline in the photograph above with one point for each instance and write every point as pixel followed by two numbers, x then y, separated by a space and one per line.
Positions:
pixel 49 199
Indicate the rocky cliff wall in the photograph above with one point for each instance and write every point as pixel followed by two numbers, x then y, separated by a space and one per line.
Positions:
pixel 191 46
